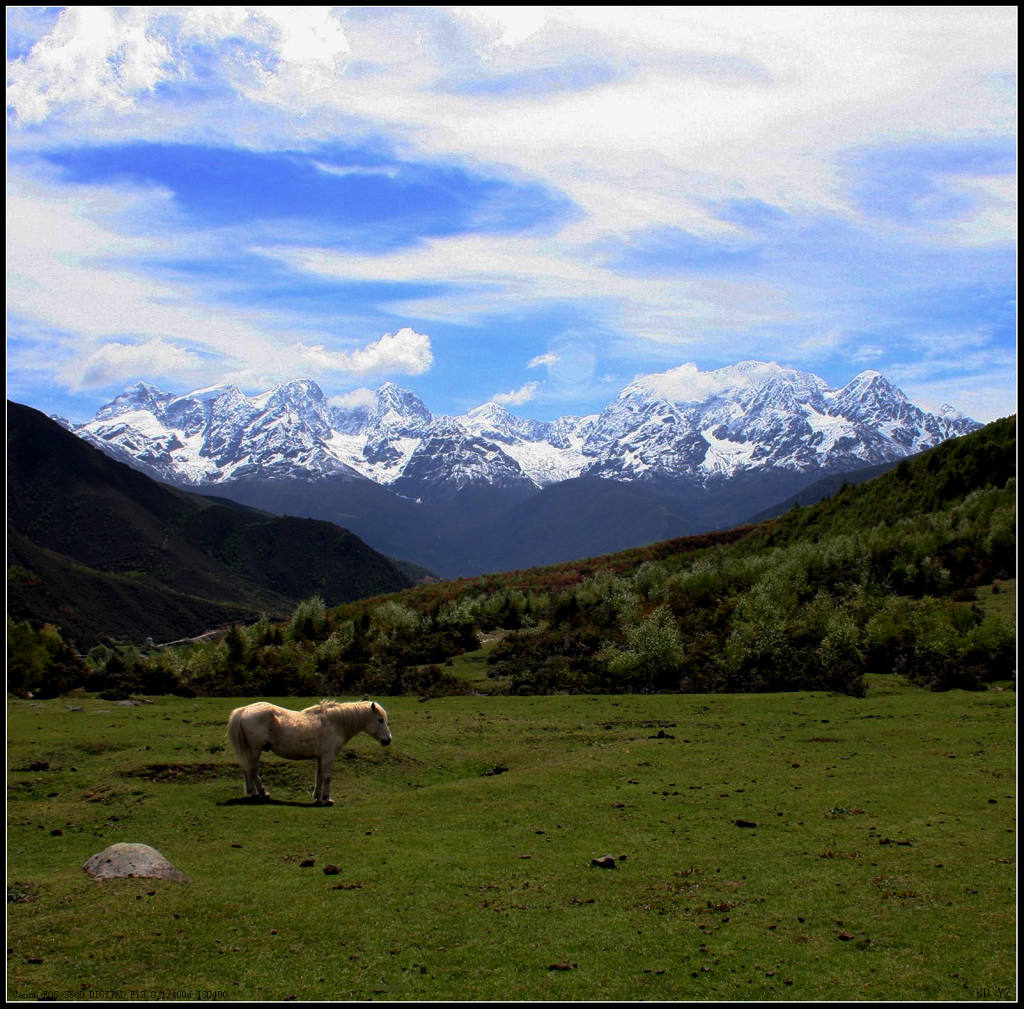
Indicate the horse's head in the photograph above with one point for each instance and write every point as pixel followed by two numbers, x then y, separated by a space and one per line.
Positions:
pixel 377 725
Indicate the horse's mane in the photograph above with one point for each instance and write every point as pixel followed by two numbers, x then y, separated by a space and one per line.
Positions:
pixel 328 704
pixel 350 712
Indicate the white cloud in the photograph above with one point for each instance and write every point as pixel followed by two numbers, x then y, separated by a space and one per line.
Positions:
pixel 698 103
pixel 517 396
pixel 354 399
pixel 681 124
pixel 109 363
pixel 310 36
pixel 980 395
pixel 486 274
pixel 385 171
pixel 995 218
pixel 75 266
pixel 405 352
pixel 964 368
pixel 111 58
pixel 504 26
pixel 307 52
pixel 543 359
pixel 93 54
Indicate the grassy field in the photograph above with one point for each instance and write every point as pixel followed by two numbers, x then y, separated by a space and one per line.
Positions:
pixel 789 847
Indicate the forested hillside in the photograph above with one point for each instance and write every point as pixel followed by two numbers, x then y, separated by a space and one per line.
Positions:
pixel 889 576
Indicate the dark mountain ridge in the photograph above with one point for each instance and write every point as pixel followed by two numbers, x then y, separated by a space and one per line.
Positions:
pixel 100 549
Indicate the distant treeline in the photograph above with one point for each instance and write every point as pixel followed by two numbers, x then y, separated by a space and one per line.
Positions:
pixel 882 577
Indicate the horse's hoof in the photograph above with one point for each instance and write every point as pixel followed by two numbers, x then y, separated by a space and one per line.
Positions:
pixel 324 802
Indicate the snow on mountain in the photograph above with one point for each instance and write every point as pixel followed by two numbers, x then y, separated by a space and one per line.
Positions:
pixel 449 457
pixel 678 425
pixel 702 426
pixel 547 452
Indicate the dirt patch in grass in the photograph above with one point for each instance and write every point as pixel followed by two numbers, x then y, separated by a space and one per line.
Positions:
pixel 645 723
pixel 34 765
pixel 22 893
pixel 182 773
pixel 22 789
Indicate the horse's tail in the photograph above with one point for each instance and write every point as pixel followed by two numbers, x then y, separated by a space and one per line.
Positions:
pixel 236 732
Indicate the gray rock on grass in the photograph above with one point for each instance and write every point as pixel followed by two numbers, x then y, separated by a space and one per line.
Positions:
pixel 121 861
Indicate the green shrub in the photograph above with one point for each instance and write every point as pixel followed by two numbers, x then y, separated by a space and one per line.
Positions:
pixel 40 662
pixel 309 620
pixel 652 657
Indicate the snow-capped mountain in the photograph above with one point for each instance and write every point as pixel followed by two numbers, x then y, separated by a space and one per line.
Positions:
pixel 685 425
pixel 219 434
pixel 709 426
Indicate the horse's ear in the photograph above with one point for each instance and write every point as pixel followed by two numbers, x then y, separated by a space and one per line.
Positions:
pixel 373 705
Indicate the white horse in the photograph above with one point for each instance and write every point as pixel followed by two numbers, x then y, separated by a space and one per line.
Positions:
pixel 316 733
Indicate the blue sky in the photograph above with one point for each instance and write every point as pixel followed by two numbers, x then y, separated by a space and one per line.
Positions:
pixel 526 204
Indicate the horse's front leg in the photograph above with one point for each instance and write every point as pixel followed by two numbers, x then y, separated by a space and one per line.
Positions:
pixel 324 770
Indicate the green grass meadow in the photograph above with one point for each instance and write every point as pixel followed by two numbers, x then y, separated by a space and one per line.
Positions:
pixel 789 847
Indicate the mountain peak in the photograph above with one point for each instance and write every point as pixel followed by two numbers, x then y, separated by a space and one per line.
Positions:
pixel 297 389
pixel 489 409
pixel 494 420
pixel 145 387
pixel 871 386
pixel 141 396
pixel 398 406
pixel 870 379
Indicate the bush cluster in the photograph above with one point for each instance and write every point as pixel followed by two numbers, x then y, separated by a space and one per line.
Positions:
pixel 40 663
pixel 388 649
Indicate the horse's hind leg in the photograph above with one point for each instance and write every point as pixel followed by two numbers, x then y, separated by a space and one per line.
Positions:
pixel 253 782
pixel 248 769
pixel 261 792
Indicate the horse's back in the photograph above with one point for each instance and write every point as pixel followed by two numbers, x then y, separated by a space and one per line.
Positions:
pixel 264 713
pixel 255 709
